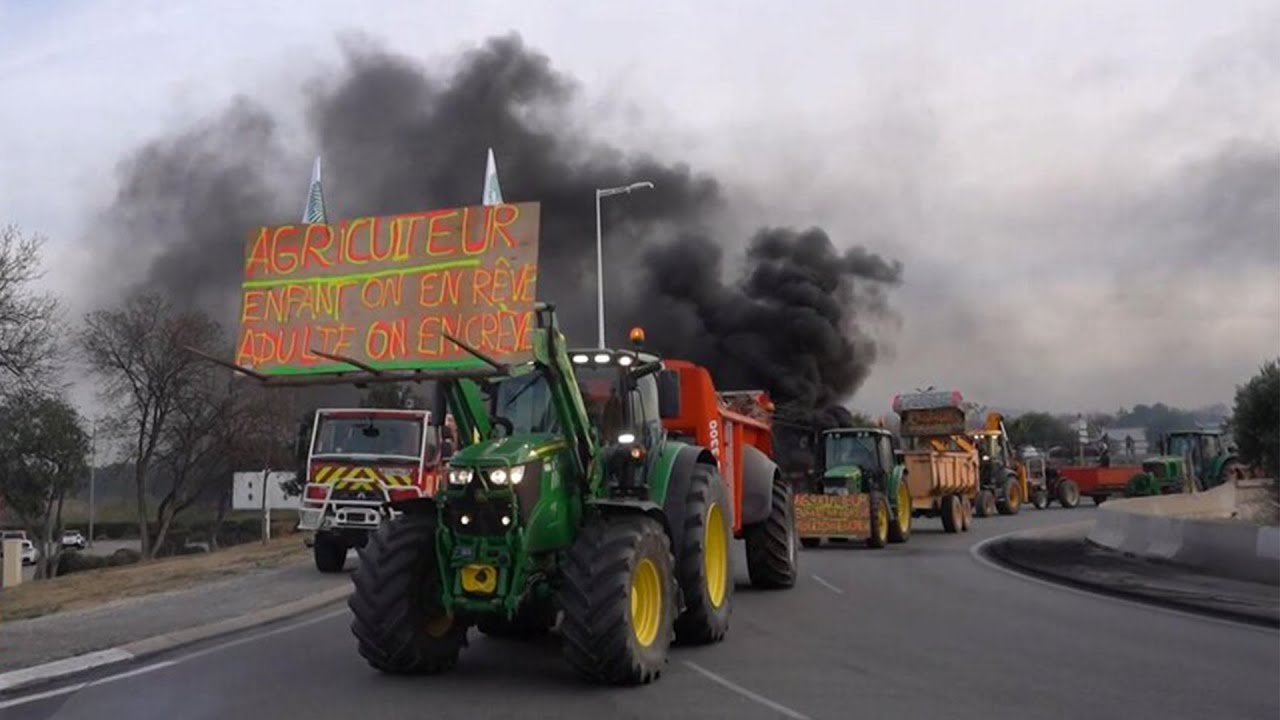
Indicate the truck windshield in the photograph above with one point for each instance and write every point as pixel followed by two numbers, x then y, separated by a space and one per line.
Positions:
pixel 857 450
pixel 369 436
pixel 525 400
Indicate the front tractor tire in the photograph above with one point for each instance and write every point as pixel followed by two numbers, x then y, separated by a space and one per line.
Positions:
pixel 771 545
pixel 398 622
pixel 703 565
pixel 619 600
pixel 330 552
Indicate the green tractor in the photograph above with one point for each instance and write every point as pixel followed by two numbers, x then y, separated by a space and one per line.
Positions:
pixel 557 510
pixel 864 461
pixel 1160 476
pixel 1190 458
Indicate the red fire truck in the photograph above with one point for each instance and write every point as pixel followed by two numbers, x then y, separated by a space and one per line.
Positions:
pixel 355 461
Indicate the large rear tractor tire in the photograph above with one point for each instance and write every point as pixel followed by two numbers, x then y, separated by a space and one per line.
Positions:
pixel 1011 499
pixel 771 545
pixel 952 514
pixel 878 536
pixel 398 622
pixel 1068 494
pixel 900 520
pixel 619 600
pixel 703 564
pixel 966 514
pixel 330 553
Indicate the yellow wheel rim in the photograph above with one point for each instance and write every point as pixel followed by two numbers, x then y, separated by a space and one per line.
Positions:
pixel 646 602
pixel 882 520
pixel 715 556
pixel 904 508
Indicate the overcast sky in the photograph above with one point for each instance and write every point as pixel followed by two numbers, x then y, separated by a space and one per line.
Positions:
pixel 1085 195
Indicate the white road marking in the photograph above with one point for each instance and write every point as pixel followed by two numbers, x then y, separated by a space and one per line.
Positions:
pixel 976 552
pixel 745 692
pixel 827 585
pixel 63 667
pixel 81 686
pixel 155 666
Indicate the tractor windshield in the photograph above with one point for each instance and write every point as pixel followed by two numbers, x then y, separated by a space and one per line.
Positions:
pixel 613 414
pixel 857 450
pixel 400 437
pixel 526 401
pixel 601 390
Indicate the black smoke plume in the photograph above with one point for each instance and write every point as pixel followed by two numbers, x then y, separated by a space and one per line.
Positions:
pixel 395 137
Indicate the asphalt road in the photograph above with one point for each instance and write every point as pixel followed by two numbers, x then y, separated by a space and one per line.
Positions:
pixel 917 631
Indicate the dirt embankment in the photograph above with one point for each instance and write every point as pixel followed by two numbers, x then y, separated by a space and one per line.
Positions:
pixel 96 587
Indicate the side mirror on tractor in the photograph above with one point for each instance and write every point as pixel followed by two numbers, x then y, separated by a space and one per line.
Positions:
pixel 668 394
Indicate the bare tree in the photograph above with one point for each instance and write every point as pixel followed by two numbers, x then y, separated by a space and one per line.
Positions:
pixel 27 318
pixel 139 352
pixel 43 450
pixel 195 453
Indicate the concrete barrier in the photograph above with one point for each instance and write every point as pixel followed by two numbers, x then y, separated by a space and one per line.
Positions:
pixel 1195 530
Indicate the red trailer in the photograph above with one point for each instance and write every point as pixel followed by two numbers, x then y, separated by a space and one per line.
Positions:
pixel 1099 482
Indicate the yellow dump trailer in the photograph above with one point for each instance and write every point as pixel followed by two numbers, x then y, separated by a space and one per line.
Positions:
pixel 941 463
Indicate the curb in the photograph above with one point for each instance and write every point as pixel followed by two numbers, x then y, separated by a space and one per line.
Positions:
pixel 1191 531
pixel 49 671
pixel 988 553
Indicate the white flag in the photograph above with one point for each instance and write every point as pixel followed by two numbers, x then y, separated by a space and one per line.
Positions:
pixel 314 212
pixel 492 191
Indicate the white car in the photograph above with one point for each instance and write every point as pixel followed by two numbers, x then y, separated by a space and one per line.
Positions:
pixel 73 539
pixel 28 553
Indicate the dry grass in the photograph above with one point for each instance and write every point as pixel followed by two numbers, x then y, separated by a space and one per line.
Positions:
pixel 96 587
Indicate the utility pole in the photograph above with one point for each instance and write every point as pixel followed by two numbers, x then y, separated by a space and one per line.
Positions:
pixel 93 472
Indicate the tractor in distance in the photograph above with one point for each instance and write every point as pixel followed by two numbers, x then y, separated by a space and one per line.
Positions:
pixel 353 462
pixel 561 505
pixel 1007 481
pixel 859 492
pixel 1189 460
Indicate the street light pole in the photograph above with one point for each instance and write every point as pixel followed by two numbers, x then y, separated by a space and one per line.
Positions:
pixel 603 193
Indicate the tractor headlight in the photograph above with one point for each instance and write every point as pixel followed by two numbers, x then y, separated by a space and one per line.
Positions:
pixel 460 476
pixel 503 476
pixel 985 458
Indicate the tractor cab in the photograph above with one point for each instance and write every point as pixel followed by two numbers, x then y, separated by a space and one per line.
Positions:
pixel 850 455
pixel 620 393
pixel 1211 458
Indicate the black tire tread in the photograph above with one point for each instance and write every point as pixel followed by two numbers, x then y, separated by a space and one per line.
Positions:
pixel 390 590
pixel 330 553
pixel 771 562
pixel 595 597
pixel 701 622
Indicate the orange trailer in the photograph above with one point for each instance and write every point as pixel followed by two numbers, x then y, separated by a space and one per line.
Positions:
pixel 735 427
